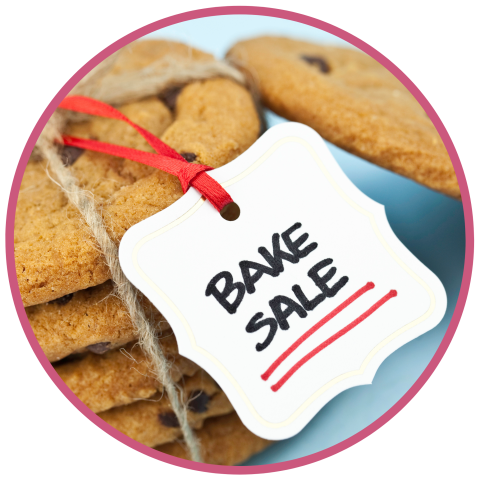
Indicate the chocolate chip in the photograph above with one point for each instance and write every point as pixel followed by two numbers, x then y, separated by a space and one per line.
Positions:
pixel 198 401
pixel 189 156
pixel 99 348
pixel 169 97
pixel 318 62
pixel 69 155
pixel 64 300
pixel 169 419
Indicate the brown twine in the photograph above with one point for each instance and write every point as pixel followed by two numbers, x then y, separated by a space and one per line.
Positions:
pixel 118 89
pixel 151 80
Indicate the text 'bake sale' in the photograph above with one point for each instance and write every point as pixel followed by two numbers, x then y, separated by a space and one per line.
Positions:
pixel 223 286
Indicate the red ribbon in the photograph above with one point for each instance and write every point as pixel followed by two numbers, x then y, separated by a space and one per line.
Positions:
pixel 165 159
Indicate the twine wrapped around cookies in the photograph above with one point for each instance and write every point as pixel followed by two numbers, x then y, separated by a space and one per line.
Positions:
pixel 119 89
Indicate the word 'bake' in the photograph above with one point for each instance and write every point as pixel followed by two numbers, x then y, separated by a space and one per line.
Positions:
pixel 281 305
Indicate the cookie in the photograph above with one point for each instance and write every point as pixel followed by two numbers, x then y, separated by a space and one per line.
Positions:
pixel 120 377
pixel 351 101
pixel 212 122
pixel 152 422
pixel 54 251
pixel 223 441
pixel 92 320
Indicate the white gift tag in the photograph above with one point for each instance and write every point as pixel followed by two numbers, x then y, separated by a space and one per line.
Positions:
pixel 300 298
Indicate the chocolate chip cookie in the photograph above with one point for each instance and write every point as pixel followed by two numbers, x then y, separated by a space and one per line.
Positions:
pixel 92 320
pixel 152 422
pixel 122 376
pixel 353 102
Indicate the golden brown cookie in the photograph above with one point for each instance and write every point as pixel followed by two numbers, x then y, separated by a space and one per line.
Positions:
pixel 120 377
pixel 92 320
pixel 353 102
pixel 223 441
pixel 54 252
pixel 152 422
pixel 212 122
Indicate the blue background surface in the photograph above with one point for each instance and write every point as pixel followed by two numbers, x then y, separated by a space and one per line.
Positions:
pixel 429 224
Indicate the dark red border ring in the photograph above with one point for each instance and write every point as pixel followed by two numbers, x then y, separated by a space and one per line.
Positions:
pixel 307 20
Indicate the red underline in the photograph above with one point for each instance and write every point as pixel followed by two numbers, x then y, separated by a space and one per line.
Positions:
pixel 326 343
pixel 308 333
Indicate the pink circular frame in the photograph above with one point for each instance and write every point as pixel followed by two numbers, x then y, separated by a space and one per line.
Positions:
pixel 467 208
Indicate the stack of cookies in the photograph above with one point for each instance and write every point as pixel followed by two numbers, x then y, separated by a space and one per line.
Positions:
pixel 82 327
